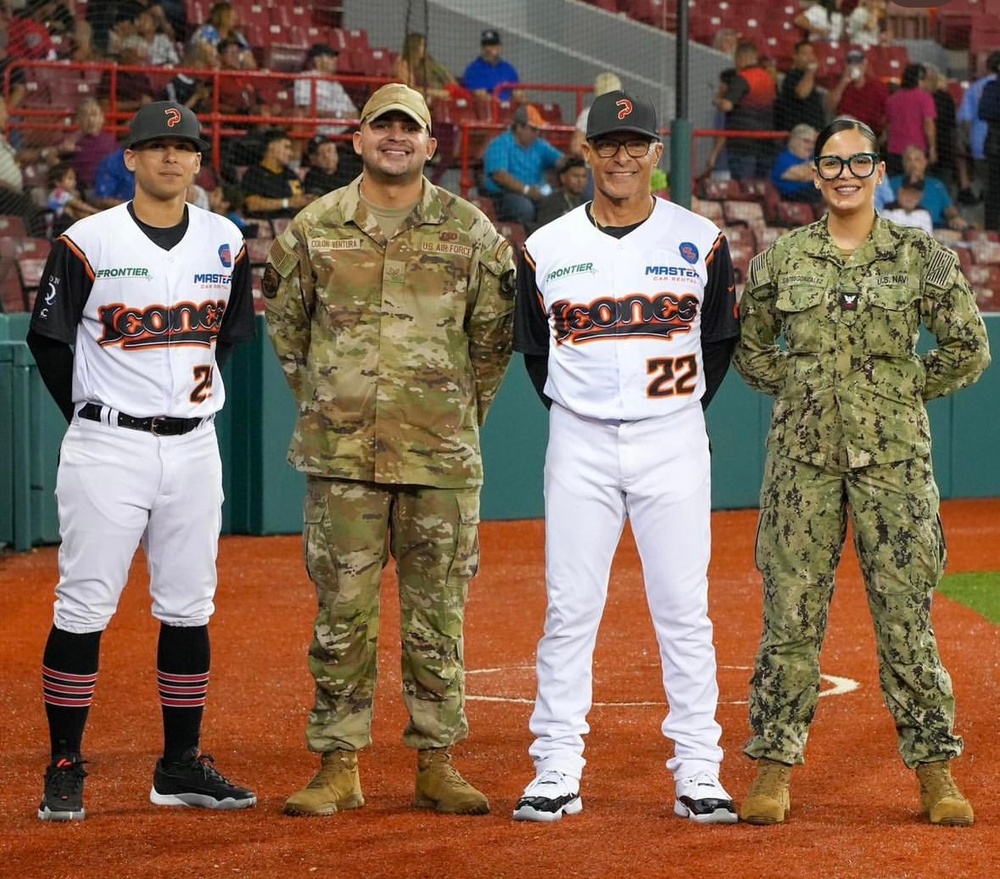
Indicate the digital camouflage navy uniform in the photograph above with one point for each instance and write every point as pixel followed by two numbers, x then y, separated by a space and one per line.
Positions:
pixel 849 428
pixel 394 350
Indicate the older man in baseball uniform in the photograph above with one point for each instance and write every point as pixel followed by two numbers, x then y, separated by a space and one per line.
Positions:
pixel 139 306
pixel 626 318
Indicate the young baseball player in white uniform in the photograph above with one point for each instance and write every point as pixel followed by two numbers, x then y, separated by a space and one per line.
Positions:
pixel 626 316
pixel 138 307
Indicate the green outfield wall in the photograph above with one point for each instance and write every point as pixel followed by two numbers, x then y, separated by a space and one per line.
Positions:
pixel 264 495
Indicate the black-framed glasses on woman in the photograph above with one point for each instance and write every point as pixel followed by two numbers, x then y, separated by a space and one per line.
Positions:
pixel 608 148
pixel 861 165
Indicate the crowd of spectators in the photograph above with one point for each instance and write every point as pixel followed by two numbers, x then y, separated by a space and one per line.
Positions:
pixel 274 171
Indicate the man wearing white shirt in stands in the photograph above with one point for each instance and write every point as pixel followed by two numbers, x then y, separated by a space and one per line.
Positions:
pixel 330 97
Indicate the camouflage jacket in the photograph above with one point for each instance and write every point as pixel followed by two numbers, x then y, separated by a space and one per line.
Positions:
pixel 393 349
pixel 849 385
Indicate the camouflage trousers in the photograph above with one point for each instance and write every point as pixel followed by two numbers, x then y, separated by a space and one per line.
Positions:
pixel 900 546
pixel 350 529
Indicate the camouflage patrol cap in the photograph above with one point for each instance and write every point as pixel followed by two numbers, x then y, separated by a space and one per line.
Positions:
pixel 165 119
pixel 396 96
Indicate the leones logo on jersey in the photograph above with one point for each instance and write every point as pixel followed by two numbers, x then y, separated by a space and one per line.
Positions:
pixel 689 252
pixel 226 256
pixel 186 323
pixel 626 108
pixel 636 314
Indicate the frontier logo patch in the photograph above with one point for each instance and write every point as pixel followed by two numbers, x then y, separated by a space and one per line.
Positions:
pixel 565 271
pixel 124 272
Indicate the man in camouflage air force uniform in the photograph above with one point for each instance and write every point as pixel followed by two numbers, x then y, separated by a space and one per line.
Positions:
pixel 849 428
pixel 389 303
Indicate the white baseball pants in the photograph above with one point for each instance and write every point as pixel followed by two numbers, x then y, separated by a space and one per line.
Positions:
pixel 657 472
pixel 118 487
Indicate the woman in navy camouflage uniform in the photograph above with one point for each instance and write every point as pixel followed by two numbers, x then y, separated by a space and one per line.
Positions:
pixel 849 431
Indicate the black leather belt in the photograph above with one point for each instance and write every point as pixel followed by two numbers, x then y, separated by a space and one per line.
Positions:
pixel 160 425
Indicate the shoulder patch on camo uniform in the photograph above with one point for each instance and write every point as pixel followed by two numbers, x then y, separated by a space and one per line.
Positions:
pixel 758 274
pixel 282 258
pixel 939 268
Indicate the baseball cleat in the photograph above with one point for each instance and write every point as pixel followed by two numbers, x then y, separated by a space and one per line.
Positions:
pixel 550 795
pixel 63 797
pixel 703 799
pixel 194 781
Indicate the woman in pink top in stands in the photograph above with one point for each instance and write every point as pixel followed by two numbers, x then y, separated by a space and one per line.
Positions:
pixel 910 119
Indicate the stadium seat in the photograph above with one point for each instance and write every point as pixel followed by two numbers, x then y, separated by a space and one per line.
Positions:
pixel 888 62
pixel 658 13
pixel 831 60
pixel 794 213
pixel 31 273
pixel 285 57
pixel 12 226
pixel 741 257
pixel 513 232
pixel 288 15
pixel 12 297
pixel 257 250
pixel 750 213
pixel 485 204
pixel 709 209
pixel 767 235
pixel 971 234
pixel 985 253
pixel 985 281
pixel 740 236
pixel 719 189
pixel 33 248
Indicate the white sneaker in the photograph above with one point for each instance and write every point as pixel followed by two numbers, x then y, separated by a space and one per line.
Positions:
pixel 702 798
pixel 550 796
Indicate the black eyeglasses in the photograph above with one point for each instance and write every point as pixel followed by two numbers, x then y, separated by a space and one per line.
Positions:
pixel 608 149
pixel 861 165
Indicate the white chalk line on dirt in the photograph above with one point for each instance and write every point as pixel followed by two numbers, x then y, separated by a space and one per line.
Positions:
pixel 838 686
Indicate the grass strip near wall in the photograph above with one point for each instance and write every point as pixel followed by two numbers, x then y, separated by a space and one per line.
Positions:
pixel 980 592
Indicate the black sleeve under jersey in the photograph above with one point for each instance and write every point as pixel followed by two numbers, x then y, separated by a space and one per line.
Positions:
pixel 531 326
pixel 720 324
pixel 238 322
pixel 54 360
pixel 66 283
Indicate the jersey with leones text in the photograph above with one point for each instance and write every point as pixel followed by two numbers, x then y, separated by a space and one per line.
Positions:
pixel 623 320
pixel 145 321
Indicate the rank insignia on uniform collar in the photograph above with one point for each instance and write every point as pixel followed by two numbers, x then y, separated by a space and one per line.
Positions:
pixel 849 300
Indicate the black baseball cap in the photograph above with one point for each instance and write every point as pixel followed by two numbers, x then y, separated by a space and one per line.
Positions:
pixel 316 142
pixel 855 56
pixel 318 50
pixel 490 37
pixel 165 119
pixel 620 111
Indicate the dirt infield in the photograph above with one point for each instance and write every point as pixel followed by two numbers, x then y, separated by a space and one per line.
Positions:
pixel 854 805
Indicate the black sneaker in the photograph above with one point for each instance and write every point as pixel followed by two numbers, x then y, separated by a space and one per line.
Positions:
pixel 194 781
pixel 63 797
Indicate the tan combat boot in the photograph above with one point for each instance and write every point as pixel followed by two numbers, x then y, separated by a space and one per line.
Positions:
pixel 768 800
pixel 440 787
pixel 334 788
pixel 940 798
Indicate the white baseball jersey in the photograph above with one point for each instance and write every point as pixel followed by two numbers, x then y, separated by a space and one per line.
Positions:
pixel 623 320
pixel 144 321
